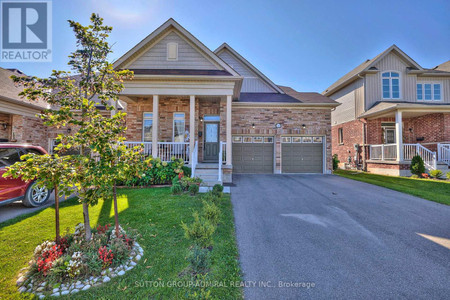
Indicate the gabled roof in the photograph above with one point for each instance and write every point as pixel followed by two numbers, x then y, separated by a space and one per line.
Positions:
pixel 366 67
pixel 307 97
pixel 248 65
pixel 443 67
pixel 170 24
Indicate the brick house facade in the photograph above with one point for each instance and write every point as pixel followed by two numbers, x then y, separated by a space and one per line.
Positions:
pixel 389 127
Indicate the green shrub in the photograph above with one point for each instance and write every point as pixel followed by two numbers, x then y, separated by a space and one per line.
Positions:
pixel 217 190
pixel 159 172
pixel 436 173
pixel 186 182
pixel 211 197
pixel 200 231
pixel 175 180
pixel 199 260
pixel 336 162
pixel 193 189
pixel 186 171
pixel 448 175
pixel 211 212
pixel 414 176
pixel 417 166
pixel 176 189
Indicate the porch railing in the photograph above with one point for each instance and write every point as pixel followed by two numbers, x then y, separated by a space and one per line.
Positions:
pixel 444 153
pixel 194 161
pixel 223 147
pixel 147 146
pixel 383 152
pixel 220 160
pixel 167 150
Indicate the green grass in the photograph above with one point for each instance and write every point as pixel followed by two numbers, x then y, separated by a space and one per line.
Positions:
pixel 156 215
pixel 433 190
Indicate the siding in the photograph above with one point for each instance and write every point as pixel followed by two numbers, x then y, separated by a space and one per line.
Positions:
pixel 252 82
pixel 188 56
pixel 408 82
pixel 351 98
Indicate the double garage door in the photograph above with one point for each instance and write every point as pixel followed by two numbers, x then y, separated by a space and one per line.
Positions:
pixel 299 154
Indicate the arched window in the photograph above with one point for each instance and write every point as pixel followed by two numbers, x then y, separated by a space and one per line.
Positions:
pixel 391 85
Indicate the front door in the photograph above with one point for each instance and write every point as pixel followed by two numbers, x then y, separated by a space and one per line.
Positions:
pixel 211 142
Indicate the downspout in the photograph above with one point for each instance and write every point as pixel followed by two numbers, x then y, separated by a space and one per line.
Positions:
pixel 364 126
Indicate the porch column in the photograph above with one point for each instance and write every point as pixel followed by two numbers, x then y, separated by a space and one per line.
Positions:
pixel 191 126
pixel 155 125
pixel 399 135
pixel 229 146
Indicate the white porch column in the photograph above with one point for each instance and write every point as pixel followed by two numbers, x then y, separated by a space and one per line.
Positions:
pixel 155 125
pixel 191 126
pixel 228 131
pixel 399 135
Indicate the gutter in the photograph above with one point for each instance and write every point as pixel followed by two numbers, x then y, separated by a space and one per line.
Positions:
pixel 286 105
pixel 21 103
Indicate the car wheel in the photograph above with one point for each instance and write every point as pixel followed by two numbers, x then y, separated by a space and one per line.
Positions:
pixel 35 195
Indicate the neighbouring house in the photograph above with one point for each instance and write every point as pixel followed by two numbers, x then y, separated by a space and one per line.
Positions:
pixel 392 109
pixel 18 120
pixel 218 112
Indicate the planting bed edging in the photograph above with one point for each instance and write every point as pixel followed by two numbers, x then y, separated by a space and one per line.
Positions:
pixel 28 285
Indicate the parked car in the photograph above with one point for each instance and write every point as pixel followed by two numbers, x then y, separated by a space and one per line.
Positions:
pixel 12 189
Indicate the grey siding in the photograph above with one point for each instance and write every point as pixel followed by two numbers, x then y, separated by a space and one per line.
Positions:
pixel 188 56
pixel 252 82
pixel 351 99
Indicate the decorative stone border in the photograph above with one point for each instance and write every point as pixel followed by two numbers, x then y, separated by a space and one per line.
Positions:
pixel 29 286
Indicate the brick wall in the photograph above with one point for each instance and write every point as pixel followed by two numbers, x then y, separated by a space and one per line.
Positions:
pixel 5 133
pixel 29 130
pixel 352 134
pixel 317 121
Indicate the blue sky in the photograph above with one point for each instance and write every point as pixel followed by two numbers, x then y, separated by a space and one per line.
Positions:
pixel 304 44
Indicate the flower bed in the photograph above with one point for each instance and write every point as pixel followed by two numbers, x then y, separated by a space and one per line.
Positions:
pixel 74 264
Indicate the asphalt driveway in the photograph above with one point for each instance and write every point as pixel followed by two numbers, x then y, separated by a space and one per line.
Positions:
pixel 328 237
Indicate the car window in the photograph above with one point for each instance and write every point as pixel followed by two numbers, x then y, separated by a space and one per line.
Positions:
pixel 8 156
pixel 28 150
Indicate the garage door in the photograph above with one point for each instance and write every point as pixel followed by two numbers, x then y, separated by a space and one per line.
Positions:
pixel 252 154
pixel 302 154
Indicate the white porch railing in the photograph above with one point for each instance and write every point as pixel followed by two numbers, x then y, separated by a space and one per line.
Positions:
pixel 167 150
pixel 383 152
pixel 389 152
pixel 221 160
pixel 147 146
pixel 223 146
pixel 194 159
pixel 444 153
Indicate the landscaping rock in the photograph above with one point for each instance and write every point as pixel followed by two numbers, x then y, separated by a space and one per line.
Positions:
pixel 41 296
pixel 106 279
pixel 55 294
pixel 65 292
pixel 55 290
pixel 132 263
pixel 138 257
pixel 21 280
pixel 74 291
pixel 86 287
pixel 22 289
pixel 122 272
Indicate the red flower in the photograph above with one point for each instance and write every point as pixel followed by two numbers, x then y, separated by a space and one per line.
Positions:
pixel 45 262
pixel 105 255
pixel 425 175
pixel 102 229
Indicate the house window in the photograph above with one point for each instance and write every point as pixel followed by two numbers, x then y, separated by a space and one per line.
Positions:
pixel 147 127
pixel 178 127
pixel 341 135
pixel 391 85
pixel 388 130
pixel 172 51
pixel 429 91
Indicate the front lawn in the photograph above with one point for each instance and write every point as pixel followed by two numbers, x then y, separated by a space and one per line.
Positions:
pixel 434 190
pixel 156 215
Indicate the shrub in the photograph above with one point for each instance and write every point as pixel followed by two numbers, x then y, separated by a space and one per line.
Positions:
pixel 159 172
pixel 336 162
pixel 186 171
pixel 199 260
pixel 414 176
pixel 176 189
pixel 217 190
pixel 211 212
pixel 211 197
pixel 200 231
pixel 436 174
pixel 186 182
pixel 448 175
pixel 193 189
pixel 417 166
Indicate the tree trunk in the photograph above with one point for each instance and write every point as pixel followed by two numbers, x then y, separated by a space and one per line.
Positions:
pixel 116 211
pixel 87 225
pixel 58 238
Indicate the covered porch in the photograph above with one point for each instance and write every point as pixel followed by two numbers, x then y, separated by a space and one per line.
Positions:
pixel 397 132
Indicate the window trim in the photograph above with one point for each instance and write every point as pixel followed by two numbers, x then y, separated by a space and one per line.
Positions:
pixel 172 44
pixel 433 83
pixel 341 136
pixel 390 84
pixel 143 124
pixel 173 125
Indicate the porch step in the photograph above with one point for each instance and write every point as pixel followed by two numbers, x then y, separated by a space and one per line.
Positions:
pixel 207 166
pixel 210 183
pixel 199 172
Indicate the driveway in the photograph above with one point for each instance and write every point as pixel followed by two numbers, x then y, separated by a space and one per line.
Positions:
pixel 324 237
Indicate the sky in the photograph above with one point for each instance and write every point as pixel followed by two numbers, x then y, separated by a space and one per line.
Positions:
pixel 307 45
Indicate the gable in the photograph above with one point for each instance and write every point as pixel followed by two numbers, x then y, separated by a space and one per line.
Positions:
pixel 392 62
pixel 188 57
pixel 252 82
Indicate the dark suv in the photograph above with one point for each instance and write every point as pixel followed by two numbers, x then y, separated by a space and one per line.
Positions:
pixel 16 189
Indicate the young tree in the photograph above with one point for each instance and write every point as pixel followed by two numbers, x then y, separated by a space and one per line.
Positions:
pixel 52 172
pixel 73 104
